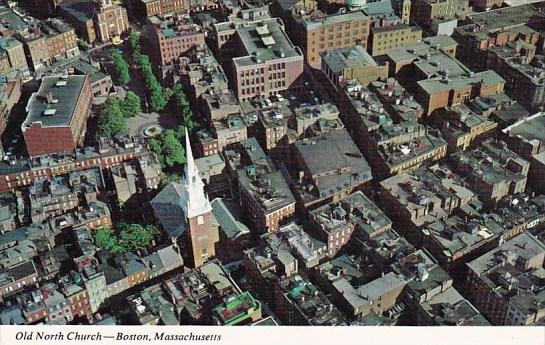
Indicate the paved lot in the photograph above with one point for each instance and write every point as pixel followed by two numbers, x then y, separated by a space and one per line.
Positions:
pixel 138 123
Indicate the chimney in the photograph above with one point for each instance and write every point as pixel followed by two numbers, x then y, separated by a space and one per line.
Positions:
pixel 49 97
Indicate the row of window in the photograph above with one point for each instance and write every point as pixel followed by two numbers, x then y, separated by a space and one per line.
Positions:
pixel 347 26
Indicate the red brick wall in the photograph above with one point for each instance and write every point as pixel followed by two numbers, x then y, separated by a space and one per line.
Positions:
pixel 40 141
pixel 26 177
pixel 202 237
pixel 172 48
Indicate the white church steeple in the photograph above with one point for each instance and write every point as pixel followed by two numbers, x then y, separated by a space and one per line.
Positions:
pixel 193 200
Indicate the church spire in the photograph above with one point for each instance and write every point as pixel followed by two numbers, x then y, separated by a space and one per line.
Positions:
pixel 193 200
pixel 189 162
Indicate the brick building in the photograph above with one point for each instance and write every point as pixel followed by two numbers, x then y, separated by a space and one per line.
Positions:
pixel 403 147
pixel 100 20
pixel 264 192
pixel 17 173
pixel 61 40
pixel 424 12
pixel 316 32
pixel 57 115
pixel 10 92
pixel 505 172
pixel 148 8
pixel 14 56
pixel 496 28
pixel 328 167
pixel 265 61
pixel 496 282
pixel 175 37
pixel 341 65
pixel 385 38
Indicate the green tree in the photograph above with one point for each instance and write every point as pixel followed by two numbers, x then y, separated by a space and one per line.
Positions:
pixel 137 236
pixel 111 120
pixel 131 105
pixel 159 96
pixel 168 149
pixel 134 41
pixel 155 146
pixel 180 98
pixel 121 66
pixel 106 238
pixel 183 107
pixel 173 151
pixel 158 101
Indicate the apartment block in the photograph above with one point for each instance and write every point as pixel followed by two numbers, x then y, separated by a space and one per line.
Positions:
pixel 57 114
pixel 175 37
pixel 353 63
pixel 421 197
pixel 13 55
pixel 397 101
pixel 462 127
pixel 265 62
pixel 148 8
pixel 328 167
pixel 526 138
pixel 496 282
pixel 383 39
pixel 424 12
pixel 317 32
pixel 403 147
pixel 504 173
pixel 264 192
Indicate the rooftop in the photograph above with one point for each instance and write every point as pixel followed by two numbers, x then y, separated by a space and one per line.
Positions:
pixel 458 235
pixel 229 223
pixel 55 102
pixel 405 141
pixel 236 309
pixel 430 45
pixel 10 20
pixel 403 104
pixel 264 41
pixel 514 269
pixel 449 308
pixel 491 162
pixel 355 209
pixel 311 302
pixel 316 19
pixel 506 17
pixel 485 79
pixel 333 161
pixel 367 105
pixel 339 59
pixel 422 187
pixel 530 129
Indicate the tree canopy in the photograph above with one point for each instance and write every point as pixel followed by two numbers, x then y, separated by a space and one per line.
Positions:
pixel 159 96
pixel 183 107
pixel 105 238
pixel 129 237
pixel 131 105
pixel 168 149
pixel 137 236
pixel 121 66
pixel 112 119
pixel 134 41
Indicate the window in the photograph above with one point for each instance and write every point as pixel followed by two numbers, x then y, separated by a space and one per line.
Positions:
pixel 200 220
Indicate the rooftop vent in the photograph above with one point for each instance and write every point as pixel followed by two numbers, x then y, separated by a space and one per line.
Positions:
pixel 50 112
